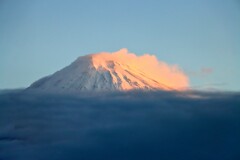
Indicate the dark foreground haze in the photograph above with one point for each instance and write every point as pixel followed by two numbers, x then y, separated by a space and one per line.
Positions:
pixel 120 126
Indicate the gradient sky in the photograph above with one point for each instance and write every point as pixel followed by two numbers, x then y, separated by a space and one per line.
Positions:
pixel 40 37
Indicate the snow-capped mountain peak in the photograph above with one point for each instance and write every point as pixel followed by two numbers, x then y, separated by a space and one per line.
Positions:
pixel 120 70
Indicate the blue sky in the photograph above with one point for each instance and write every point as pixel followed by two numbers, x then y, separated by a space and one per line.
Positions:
pixel 40 37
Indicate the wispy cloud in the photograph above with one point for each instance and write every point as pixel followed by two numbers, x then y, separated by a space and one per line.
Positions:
pixel 202 72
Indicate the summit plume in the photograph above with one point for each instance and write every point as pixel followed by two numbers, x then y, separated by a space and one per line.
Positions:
pixel 119 70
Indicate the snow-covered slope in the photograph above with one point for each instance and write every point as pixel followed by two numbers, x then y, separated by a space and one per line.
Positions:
pixel 104 72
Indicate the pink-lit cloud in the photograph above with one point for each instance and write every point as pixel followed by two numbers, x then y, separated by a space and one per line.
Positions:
pixel 206 71
pixel 170 75
pixel 202 72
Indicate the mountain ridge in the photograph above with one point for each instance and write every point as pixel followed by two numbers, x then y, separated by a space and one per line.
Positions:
pixel 103 72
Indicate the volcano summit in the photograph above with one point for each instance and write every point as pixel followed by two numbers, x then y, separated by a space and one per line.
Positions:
pixel 119 70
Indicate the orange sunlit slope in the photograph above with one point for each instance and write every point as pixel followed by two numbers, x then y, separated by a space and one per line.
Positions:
pixel 169 75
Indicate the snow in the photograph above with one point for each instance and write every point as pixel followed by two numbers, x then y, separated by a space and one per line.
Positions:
pixel 108 72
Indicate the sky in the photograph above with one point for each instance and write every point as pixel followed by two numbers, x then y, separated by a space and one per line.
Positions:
pixel 202 37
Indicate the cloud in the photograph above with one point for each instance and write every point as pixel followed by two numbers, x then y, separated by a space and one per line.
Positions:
pixel 202 72
pixel 206 71
pixel 170 75
pixel 120 125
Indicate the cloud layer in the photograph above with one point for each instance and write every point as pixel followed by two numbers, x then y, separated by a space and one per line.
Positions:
pixel 130 125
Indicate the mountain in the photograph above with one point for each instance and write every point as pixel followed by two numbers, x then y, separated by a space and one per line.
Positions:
pixel 107 72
